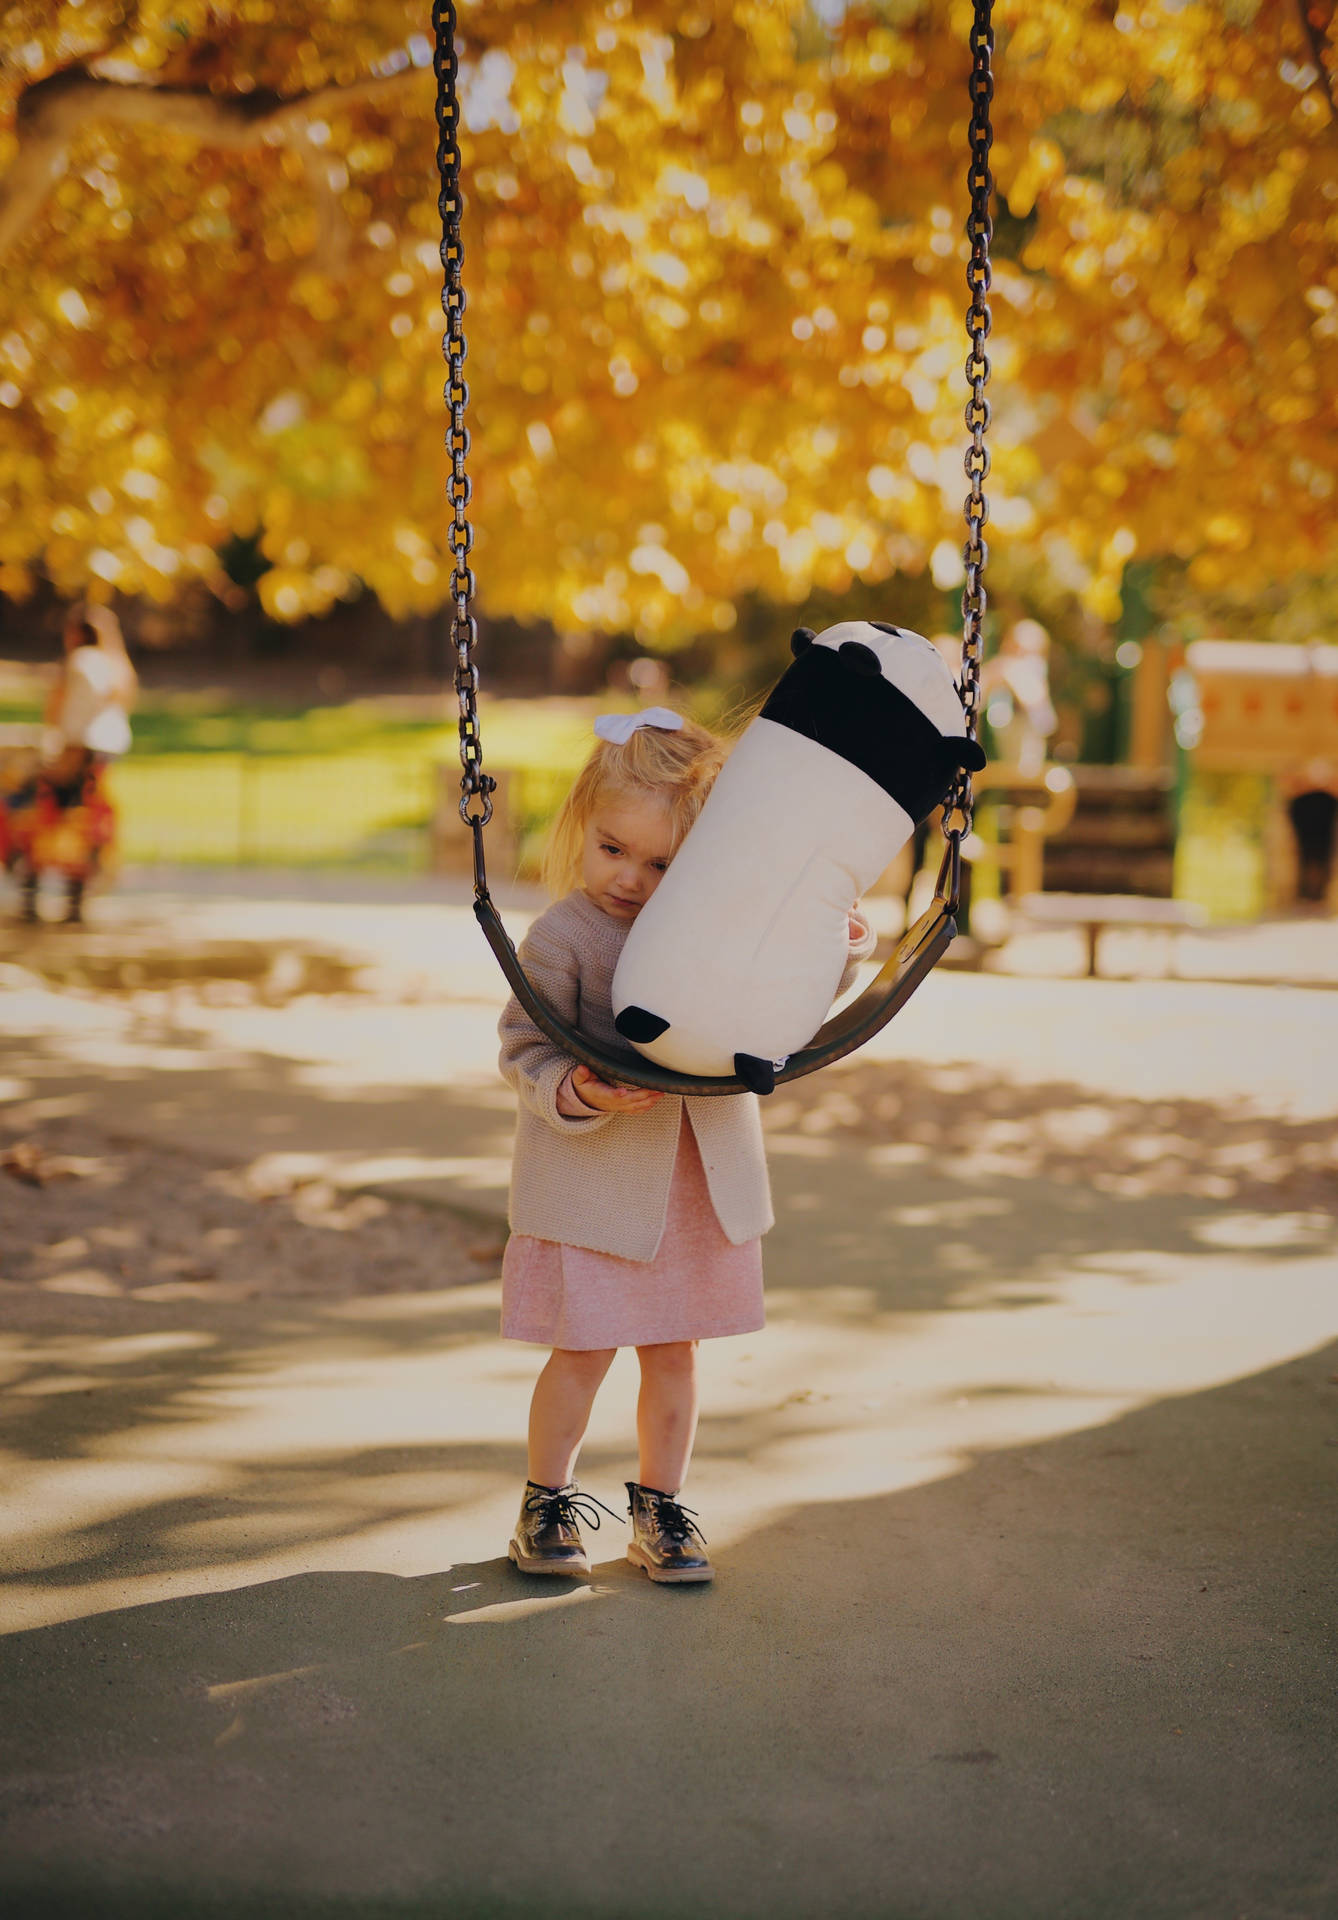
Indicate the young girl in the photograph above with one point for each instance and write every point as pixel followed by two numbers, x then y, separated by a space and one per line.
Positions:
pixel 636 1216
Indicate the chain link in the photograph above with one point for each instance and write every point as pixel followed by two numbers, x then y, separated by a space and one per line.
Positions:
pixel 476 787
pixel 475 784
pixel 957 810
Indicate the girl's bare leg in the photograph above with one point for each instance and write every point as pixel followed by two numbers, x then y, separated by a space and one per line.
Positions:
pixel 560 1411
pixel 666 1413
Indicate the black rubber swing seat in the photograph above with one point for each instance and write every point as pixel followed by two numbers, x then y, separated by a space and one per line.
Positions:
pixel 917 952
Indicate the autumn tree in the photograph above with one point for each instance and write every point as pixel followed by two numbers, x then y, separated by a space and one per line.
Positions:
pixel 715 258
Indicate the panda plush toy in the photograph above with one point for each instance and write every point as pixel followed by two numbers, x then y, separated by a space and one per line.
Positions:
pixel 733 963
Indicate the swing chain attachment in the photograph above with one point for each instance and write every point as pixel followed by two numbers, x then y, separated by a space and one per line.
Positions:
pixel 957 811
pixel 476 787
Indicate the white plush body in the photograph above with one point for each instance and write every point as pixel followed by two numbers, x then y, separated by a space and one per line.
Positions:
pixel 743 942
pixel 742 945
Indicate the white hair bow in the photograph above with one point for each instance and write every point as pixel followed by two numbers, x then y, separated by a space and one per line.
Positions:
pixel 619 727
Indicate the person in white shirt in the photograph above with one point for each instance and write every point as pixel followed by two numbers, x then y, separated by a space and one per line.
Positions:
pixel 66 823
pixel 1016 686
pixel 87 711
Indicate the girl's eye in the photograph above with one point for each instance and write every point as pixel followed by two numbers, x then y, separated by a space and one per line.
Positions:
pixel 607 847
pixel 660 866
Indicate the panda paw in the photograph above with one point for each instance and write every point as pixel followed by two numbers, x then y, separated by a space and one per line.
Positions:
pixel 640 1027
pixel 758 1075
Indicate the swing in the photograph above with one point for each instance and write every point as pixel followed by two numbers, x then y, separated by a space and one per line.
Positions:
pixel 925 942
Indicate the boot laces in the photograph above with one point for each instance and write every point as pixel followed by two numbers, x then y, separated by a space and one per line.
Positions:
pixel 565 1506
pixel 675 1522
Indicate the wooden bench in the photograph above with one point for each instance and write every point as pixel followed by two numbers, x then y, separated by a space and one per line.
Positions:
pixel 1094 912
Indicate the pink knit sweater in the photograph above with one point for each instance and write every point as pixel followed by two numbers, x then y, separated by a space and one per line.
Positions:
pixel 602 1180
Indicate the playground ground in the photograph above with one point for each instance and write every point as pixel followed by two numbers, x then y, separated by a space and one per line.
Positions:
pixel 1022 1505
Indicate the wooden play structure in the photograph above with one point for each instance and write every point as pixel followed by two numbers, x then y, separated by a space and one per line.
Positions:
pixel 1089 846
pixel 1263 708
pixel 1270 710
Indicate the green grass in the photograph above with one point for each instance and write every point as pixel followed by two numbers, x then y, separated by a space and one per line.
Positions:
pixel 355 785
pixel 516 732
pixel 351 785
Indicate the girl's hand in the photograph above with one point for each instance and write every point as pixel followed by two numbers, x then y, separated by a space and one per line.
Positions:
pixel 604 1098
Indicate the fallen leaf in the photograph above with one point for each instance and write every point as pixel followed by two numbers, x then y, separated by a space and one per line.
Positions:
pixel 25 1161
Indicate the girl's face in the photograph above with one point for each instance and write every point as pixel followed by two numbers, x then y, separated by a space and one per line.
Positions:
pixel 628 844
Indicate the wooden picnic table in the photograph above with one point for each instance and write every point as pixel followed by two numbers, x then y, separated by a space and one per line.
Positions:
pixel 1094 912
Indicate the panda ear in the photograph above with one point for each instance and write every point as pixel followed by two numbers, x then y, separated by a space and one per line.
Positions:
pixel 860 659
pixel 801 640
pixel 966 753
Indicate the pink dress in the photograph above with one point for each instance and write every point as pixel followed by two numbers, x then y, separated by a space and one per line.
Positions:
pixel 699 1286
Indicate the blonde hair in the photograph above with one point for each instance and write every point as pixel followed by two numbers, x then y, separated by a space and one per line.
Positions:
pixel 677 769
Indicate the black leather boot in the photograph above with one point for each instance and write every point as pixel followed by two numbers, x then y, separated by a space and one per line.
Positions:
pixel 662 1538
pixel 547 1538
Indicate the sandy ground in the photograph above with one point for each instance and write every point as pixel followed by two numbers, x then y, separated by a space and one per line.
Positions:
pixel 88 1211
pixel 1022 1504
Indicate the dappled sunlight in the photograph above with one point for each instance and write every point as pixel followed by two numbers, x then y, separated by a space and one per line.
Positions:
pixel 444 1123
pixel 889 1400
pixel 981 1125
pixel 229 1360
pixel 153 1224
pixel 505 1612
pixel 227 1354
pixel 233 1451
pixel 1007 1506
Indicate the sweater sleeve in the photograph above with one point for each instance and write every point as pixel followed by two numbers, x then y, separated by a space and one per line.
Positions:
pixel 862 945
pixel 530 1062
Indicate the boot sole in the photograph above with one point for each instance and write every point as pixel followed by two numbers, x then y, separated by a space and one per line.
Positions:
pixel 679 1577
pixel 560 1570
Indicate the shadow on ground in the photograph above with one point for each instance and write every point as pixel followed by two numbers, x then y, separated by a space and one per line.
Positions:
pixel 1080 1679
pixel 1088 1678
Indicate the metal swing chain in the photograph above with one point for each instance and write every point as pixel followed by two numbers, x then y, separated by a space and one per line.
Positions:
pixel 476 787
pixel 475 784
pixel 958 808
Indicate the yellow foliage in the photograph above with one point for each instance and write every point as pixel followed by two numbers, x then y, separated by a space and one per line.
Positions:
pixel 715 261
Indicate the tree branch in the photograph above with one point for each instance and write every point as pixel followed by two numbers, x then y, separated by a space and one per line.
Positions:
pixel 54 110
pixel 1317 33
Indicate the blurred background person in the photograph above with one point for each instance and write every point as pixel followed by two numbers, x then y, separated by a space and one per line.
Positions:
pixel 88 708
pixel 1312 808
pixel 61 822
pixel 1016 688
